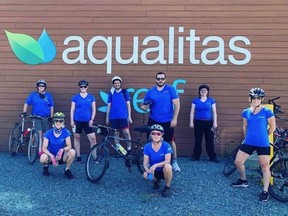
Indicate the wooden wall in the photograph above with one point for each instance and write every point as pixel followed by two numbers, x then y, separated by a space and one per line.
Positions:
pixel 264 22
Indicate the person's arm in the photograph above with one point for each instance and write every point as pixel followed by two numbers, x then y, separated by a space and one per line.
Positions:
pixel 25 107
pixel 244 126
pixel 272 125
pixel 129 112
pixel 68 144
pixel 214 116
pixel 93 113
pixel 72 110
pixel 108 113
pixel 146 163
pixel 45 147
pixel 176 103
pixel 192 112
pixel 51 112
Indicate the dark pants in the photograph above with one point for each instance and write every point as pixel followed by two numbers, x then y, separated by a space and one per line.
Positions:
pixel 200 128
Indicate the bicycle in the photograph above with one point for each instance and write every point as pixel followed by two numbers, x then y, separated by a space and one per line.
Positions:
pixel 19 138
pixel 98 159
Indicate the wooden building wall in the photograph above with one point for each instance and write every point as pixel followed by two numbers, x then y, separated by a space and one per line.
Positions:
pixel 264 22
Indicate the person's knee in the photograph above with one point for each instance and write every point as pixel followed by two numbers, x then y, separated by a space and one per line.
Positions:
pixel 44 159
pixel 167 168
pixel 71 153
pixel 265 167
pixel 77 138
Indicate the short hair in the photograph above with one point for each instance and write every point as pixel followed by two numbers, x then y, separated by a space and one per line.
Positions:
pixel 159 73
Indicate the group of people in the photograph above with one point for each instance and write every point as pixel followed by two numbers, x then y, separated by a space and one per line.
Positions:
pixel 160 153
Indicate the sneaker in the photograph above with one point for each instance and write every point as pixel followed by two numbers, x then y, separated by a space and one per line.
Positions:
pixel 264 196
pixel 156 184
pixel 79 160
pixel 46 170
pixel 175 167
pixel 68 174
pixel 166 192
pixel 240 183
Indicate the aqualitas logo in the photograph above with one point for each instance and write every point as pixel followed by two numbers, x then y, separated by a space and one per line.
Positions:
pixel 30 51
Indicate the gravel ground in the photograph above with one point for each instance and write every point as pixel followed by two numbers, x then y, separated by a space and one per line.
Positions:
pixel 199 189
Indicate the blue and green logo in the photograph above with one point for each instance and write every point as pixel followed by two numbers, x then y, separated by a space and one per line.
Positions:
pixel 30 51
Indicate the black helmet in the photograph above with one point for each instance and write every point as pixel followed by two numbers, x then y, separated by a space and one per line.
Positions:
pixel 257 92
pixel 203 86
pixel 83 83
pixel 157 127
pixel 41 82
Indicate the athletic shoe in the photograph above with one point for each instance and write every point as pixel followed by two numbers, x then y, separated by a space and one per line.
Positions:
pixel 156 184
pixel 166 192
pixel 79 160
pixel 68 174
pixel 175 167
pixel 46 170
pixel 264 196
pixel 240 183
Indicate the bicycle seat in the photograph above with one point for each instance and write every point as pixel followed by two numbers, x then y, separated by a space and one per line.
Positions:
pixel 142 129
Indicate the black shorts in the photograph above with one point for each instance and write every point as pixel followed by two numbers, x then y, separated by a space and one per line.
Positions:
pixel 159 174
pixel 119 123
pixel 80 125
pixel 249 149
pixel 168 131
pixel 60 161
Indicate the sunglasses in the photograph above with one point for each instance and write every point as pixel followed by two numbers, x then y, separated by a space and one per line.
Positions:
pixel 60 121
pixel 41 85
pixel 160 79
pixel 156 133
pixel 256 98
pixel 83 86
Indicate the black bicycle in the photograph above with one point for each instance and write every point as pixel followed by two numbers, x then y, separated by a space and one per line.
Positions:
pixel 21 137
pixel 98 158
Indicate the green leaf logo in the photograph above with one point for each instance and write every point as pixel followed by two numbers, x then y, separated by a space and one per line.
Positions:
pixel 30 51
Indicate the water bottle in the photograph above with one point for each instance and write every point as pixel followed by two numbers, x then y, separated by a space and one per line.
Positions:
pixel 26 134
pixel 74 129
pixel 150 176
pixel 121 149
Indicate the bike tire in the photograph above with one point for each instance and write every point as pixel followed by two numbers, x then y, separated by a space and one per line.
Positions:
pixel 14 140
pixel 139 160
pixel 33 146
pixel 230 167
pixel 97 162
pixel 279 188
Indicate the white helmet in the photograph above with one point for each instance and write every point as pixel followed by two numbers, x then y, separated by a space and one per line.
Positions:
pixel 116 78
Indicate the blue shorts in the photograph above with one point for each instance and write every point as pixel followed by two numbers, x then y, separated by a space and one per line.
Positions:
pixel 119 123
pixel 249 149
pixel 83 125
pixel 168 131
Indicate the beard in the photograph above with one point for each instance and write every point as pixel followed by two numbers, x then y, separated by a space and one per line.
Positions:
pixel 160 84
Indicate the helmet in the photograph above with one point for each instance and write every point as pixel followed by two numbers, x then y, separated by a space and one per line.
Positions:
pixel 41 81
pixel 116 78
pixel 157 128
pixel 203 86
pixel 58 115
pixel 83 83
pixel 256 92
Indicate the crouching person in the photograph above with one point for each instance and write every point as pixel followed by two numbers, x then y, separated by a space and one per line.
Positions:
pixel 157 160
pixel 57 148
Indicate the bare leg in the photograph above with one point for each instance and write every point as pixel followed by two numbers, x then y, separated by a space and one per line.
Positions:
pixel 241 157
pixel 77 143
pixel 126 133
pixel 264 162
pixel 168 174
pixel 92 139
pixel 173 145
pixel 69 157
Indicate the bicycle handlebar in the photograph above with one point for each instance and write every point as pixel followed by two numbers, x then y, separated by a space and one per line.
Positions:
pixel 276 107
pixel 31 116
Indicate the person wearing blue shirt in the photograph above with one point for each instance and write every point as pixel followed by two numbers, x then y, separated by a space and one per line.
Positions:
pixel 118 114
pixel 82 114
pixel 57 147
pixel 42 104
pixel 258 124
pixel 203 118
pixel 157 160
pixel 164 104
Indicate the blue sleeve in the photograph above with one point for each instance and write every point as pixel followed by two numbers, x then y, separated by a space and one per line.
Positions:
pixel 93 98
pixel 147 95
pixel 51 104
pixel 109 98
pixel 73 99
pixel 29 99
pixel 146 149
pixel 127 96
pixel 269 113
pixel 174 93
pixel 169 149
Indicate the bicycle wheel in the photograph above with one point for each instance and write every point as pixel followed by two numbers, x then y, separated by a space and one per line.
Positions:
pixel 14 140
pixel 139 160
pixel 230 166
pixel 97 162
pixel 279 188
pixel 33 146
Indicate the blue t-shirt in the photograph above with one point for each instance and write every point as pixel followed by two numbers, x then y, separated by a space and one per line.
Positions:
pixel 257 126
pixel 161 109
pixel 203 110
pixel 56 143
pixel 157 157
pixel 83 107
pixel 119 109
pixel 40 106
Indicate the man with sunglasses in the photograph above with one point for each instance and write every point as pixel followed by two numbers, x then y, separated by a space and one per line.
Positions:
pixel 57 147
pixel 42 104
pixel 256 120
pixel 164 105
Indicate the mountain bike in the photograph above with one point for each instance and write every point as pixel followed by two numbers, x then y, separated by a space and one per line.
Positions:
pixel 20 137
pixel 98 159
